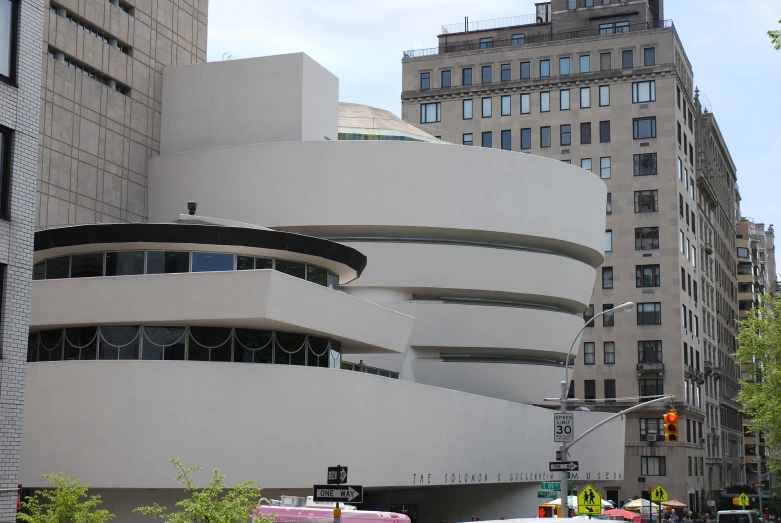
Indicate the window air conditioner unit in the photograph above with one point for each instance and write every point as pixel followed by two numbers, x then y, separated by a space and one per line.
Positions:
pixel 650 437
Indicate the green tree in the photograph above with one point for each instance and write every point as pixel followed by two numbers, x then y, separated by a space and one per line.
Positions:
pixel 760 349
pixel 64 503
pixel 214 503
pixel 775 37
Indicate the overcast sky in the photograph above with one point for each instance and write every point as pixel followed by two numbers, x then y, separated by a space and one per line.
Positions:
pixel 362 41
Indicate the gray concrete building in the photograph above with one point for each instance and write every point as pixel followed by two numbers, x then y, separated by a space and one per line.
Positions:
pixel 100 101
pixel 607 85
pixel 21 23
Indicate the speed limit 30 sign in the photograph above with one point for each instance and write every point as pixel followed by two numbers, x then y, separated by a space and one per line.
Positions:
pixel 563 427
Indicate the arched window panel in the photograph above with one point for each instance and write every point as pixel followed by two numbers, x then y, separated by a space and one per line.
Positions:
pixel 253 346
pixel 119 342
pixel 50 345
pixel 319 352
pixel 32 347
pixel 290 348
pixel 336 354
pixel 81 343
pixel 164 343
pixel 210 343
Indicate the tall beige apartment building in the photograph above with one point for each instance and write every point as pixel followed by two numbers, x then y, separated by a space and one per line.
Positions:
pixel 607 85
pixel 100 101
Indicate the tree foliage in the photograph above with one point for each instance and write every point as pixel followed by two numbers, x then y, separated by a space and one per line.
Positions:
pixel 760 349
pixel 65 503
pixel 214 503
pixel 775 37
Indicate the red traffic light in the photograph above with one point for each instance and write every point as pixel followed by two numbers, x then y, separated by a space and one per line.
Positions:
pixel 671 417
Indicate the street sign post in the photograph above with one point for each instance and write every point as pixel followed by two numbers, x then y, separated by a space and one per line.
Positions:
pixel 567 466
pixel 563 427
pixel 337 475
pixel 659 494
pixel 555 485
pixel 547 494
pixel 341 493
pixel 589 501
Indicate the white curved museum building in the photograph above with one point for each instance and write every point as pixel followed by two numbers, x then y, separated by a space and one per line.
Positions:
pixel 454 277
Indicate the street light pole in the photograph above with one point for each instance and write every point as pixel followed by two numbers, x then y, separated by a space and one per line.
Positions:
pixel 563 491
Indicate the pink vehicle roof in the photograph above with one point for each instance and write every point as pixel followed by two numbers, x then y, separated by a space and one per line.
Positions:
pixel 326 515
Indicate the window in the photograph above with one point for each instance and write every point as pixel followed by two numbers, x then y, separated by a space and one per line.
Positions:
pixel 646 201
pixel 604 131
pixel 466 76
pixel 545 137
pixel 572 4
pixel 649 351
pixel 604 167
pixel 571 389
pixel 589 389
pixel 214 262
pixel 585 97
pixel 649 56
pixel 425 81
pixel 680 170
pixel 526 138
pixel 506 140
pixel 506 105
pixel 691 188
pixel 645 164
pixel 467 109
pixel 486 43
pixel 565 134
pixel 124 263
pixel 606 29
pixel 608 241
pixel 607 277
pixel 5 167
pixel 467 139
pixel 605 2
pixel 564 65
pixel 8 28
pixel 564 100
pixel 585 163
pixel 679 132
pixel 589 354
pixel 526 103
pixel 649 313
pixel 525 70
pixel 505 72
pixel 608 319
pixel 486 74
pixel 627 59
pixel 430 113
pixel 161 262
pixel 643 92
pixel 681 241
pixel 650 426
pixel 445 79
pixel 585 63
pixel 653 466
pixel 646 238
pixel 486 107
pixel 609 349
pixel 91 265
pixel 544 67
pixel 589 3
pixel 622 27
pixel 585 133
pixel 678 96
pixel 487 139
pixel 644 128
pixel 610 391
pixel 604 61
pixel 545 102
pixel 647 276
pixel 604 95
pixel 519 39
pixel 609 204
pixel 588 315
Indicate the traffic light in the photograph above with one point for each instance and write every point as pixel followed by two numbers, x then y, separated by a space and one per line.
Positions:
pixel 671 426
pixel 545 511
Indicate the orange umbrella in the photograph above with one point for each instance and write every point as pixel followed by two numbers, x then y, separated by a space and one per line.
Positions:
pixel 626 514
pixel 674 503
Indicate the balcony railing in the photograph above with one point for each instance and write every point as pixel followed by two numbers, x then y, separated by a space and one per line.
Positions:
pixel 494 23
pixel 650 367
pixel 473 45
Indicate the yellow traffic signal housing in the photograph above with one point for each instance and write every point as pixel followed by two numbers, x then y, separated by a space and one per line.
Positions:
pixel 671 426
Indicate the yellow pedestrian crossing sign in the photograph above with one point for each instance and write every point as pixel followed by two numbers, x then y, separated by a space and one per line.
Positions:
pixel 589 501
pixel 743 500
pixel 659 494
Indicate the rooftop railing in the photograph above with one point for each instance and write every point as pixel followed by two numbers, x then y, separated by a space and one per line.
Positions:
pixel 484 25
pixel 473 45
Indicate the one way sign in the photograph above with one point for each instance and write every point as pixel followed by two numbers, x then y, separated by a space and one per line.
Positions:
pixel 342 493
pixel 337 475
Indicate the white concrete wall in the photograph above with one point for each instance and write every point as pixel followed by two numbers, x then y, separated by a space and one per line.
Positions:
pixel 115 423
pixel 234 102
pixel 261 299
